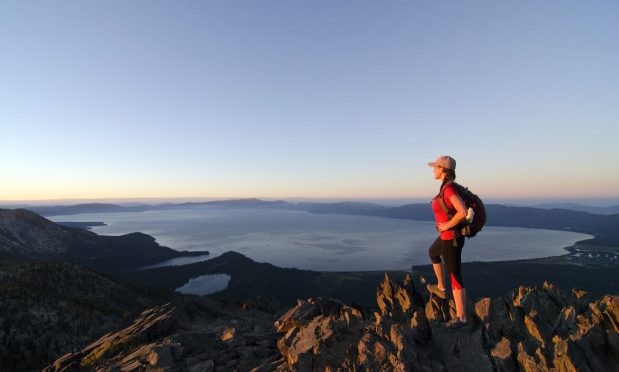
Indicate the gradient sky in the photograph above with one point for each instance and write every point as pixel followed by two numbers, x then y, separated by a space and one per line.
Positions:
pixel 350 99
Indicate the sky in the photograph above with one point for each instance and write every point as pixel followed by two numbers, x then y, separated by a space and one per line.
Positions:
pixel 313 99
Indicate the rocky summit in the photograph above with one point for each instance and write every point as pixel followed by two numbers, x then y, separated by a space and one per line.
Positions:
pixel 528 329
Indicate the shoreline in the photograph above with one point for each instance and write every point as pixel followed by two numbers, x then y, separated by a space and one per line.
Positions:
pixel 583 254
pixel 85 225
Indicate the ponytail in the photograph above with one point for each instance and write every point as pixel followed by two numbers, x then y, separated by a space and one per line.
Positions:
pixel 450 176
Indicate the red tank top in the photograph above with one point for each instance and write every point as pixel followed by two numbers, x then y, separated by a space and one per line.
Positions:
pixel 439 214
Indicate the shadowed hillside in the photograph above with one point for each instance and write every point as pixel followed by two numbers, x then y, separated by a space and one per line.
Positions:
pixel 26 236
pixel 250 279
pixel 49 309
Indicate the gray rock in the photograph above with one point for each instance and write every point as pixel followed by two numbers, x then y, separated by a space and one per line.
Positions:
pixel 206 366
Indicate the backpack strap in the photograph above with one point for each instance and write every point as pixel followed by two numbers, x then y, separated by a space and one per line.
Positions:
pixel 441 199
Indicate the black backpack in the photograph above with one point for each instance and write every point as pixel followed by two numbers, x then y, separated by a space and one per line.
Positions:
pixel 471 201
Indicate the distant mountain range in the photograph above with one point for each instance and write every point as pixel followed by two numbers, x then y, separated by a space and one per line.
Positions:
pixel 318 207
pixel 613 209
pixel 602 226
pixel 85 208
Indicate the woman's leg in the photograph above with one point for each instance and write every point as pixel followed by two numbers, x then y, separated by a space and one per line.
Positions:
pixel 453 262
pixel 439 271
pixel 435 256
pixel 460 300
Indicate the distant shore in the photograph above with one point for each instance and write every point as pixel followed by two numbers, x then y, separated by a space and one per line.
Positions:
pixel 588 267
pixel 81 225
pixel 583 254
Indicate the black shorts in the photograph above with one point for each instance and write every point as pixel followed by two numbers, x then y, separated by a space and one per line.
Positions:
pixel 452 255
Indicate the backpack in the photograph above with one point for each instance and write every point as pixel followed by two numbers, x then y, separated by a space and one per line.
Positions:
pixel 476 211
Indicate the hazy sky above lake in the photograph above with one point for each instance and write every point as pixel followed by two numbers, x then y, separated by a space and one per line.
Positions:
pixel 351 99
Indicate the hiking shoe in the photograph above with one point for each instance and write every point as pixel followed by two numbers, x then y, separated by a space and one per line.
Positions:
pixel 433 288
pixel 456 325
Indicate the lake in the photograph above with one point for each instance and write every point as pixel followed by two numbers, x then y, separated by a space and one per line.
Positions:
pixel 325 242
pixel 205 284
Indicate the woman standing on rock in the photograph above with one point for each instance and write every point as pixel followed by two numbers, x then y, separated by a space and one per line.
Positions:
pixel 450 242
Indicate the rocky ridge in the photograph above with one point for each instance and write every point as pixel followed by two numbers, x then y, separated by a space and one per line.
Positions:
pixel 25 233
pixel 188 334
pixel 528 329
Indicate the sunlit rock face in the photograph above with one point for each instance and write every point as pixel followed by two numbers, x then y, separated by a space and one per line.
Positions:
pixel 529 329
pixel 189 334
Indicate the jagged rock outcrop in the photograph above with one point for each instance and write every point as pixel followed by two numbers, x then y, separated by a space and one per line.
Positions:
pixel 147 330
pixel 191 334
pixel 317 333
pixel 530 329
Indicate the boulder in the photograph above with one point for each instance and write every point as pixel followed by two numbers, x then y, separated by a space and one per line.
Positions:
pixel 318 333
pixel 502 356
pixel 463 350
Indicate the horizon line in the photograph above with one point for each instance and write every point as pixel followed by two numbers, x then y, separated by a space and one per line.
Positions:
pixel 415 199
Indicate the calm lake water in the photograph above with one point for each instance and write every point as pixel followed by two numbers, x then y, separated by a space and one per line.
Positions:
pixel 205 284
pixel 325 242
